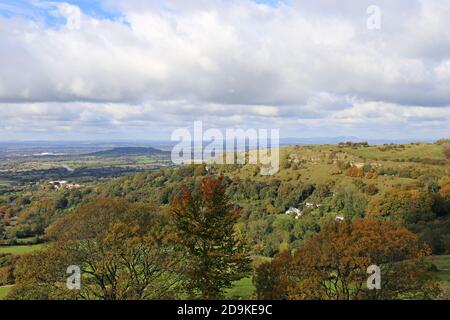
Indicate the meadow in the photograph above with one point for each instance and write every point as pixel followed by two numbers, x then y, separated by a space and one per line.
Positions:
pixel 4 291
pixel 443 265
pixel 18 250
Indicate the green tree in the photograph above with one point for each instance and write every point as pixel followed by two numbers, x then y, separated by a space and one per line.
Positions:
pixel 122 249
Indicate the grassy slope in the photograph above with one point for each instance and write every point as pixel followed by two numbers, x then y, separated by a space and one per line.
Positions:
pixel 21 249
pixel 420 151
pixel 242 289
pixel 443 265
pixel 4 291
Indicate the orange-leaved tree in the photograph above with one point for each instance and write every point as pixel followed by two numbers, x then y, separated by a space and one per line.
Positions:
pixel 333 264
pixel 204 225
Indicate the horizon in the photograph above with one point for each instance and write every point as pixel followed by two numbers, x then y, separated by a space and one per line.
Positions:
pixel 293 140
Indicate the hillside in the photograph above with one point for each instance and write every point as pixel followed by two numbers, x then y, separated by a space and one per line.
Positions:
pixel 405 184
pixel 336 180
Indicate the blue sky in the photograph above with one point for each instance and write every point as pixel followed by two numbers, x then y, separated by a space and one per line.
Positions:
pixel 98 8
pixel 33 9
pixel 141 69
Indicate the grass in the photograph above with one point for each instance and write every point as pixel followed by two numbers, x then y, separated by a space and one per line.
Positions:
pixel 242 289
pixel 443 265
pixel 18 250
pixel 4 291
pixel 415 151
pixel 5 183
pixel 26 241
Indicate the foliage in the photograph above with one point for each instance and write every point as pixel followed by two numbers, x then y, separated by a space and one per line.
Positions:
pixel 122 249
pixel 204 222
pixel 332 265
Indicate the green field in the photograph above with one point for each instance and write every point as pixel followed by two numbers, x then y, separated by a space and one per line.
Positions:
pixel 5 183
pixel 443 265
pixel 21 249
pixel 242 289
pixel 4 291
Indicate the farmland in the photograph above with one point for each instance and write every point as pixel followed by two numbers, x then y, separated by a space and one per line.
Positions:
pixel 22 249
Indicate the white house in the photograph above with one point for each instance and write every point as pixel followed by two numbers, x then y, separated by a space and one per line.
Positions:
pixel 312 205
pixel 339 219
pixel 58 185
pixel 294 211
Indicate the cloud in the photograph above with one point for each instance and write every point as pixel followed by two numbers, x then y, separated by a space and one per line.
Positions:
pixel 228 62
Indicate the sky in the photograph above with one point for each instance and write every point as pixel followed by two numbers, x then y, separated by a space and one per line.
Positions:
pixel 135 69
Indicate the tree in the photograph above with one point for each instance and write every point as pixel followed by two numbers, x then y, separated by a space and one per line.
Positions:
pixel 333 264
pixel 7 262
pixel 406 206
pixel 271 279
pixel 351 203
pixel 204 222
pixel 39 215
pixel 122 249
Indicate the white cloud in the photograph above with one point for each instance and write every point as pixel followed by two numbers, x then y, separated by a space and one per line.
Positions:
pixel 231 62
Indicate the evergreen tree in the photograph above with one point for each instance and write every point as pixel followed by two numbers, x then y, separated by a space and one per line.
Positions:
pixel 204 223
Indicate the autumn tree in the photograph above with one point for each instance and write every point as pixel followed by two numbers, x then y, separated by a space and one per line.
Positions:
pixel 333 264
pixel 204 225
pixel 271 279
pixel 122 249
pixel 405 206
pixel 39 215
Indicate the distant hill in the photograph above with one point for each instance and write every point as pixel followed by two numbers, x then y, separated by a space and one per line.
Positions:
pixel 129 151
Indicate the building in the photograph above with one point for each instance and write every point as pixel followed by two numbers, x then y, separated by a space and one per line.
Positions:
pixel 13 221
pixel 58 185
pixel 312 205
pixel 294 211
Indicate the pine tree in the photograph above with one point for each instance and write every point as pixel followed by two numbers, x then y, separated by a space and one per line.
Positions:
pixel 204 223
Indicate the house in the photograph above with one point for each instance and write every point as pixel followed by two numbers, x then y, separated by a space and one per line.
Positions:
pixel 13 221
pixel 294 211
pixel 339 219
pixel 312 205
pixel 58 185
